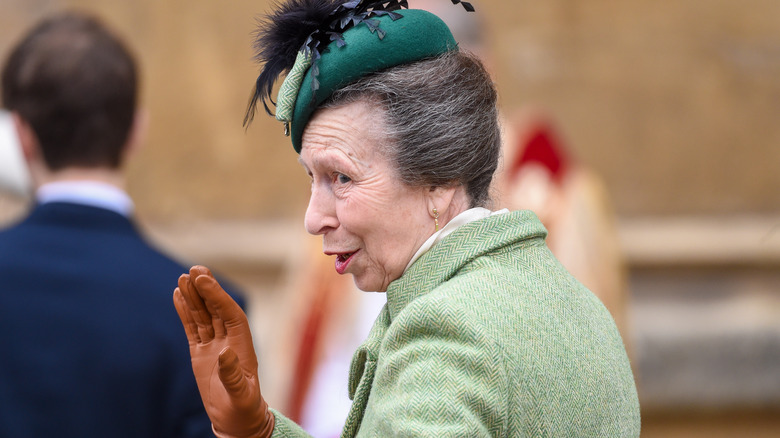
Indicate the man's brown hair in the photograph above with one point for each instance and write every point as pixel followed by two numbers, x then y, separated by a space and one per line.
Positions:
pixel 75 83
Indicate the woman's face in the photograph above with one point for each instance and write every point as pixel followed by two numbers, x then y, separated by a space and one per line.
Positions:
pixel 369 220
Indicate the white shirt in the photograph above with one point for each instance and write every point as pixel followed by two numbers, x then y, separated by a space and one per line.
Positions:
pixel 91 193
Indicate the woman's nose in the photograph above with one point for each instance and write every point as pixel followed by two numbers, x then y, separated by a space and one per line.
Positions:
pixel 321 213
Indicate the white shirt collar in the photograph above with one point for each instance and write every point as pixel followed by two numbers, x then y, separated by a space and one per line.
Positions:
pixel 470 215
pixel 91 193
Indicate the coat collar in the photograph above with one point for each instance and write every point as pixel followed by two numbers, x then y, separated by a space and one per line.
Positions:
pixel 85 217
pixel 465 244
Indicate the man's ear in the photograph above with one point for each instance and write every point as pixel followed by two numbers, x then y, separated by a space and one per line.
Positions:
pixel 27 139
pixel 27 165
pixel 137 135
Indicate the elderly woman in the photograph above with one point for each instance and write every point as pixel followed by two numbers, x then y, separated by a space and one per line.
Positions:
pixel 484 332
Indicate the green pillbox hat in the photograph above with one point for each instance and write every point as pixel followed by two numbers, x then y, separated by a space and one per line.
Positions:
pixel 415 36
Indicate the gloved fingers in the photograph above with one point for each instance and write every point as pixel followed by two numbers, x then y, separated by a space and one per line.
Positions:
pixel 190 328
pixel 231 374
pixel 198 311
pixel 230 320
pixel 218 300
pixel 197 272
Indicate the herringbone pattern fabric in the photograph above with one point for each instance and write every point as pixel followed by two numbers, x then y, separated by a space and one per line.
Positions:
pixel 488 335
pixel 288 92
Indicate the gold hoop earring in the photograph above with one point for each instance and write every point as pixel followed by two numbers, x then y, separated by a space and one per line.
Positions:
pixel 436 218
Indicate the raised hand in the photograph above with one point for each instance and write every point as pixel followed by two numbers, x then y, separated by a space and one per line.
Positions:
pixel 223 357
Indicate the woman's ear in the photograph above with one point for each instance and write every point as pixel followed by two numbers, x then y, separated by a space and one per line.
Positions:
pixel 442 199
pixel 449 201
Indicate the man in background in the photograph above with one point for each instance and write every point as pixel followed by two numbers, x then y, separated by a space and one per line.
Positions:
pixel 82 355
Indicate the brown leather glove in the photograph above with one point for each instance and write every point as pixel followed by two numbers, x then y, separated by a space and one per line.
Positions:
pixel 223 357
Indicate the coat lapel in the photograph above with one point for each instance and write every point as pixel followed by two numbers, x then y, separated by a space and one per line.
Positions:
pixel 361 374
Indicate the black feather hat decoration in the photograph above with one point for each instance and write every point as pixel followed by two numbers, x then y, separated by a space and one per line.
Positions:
pixel 309 26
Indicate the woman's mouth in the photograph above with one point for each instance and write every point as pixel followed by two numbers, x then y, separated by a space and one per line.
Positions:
pixel 342 261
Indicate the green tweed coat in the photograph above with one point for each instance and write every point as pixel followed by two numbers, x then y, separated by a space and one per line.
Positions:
pixel 488 335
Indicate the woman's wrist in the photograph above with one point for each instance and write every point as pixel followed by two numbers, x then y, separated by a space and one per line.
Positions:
pixel 266 429
pixel 219 434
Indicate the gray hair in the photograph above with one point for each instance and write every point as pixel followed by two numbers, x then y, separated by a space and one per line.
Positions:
pixel 442 116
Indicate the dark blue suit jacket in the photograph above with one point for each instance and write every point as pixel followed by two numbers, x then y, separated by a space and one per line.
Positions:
pixel 90 343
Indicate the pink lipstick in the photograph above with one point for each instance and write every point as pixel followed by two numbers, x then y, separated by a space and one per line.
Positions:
pixel 342 261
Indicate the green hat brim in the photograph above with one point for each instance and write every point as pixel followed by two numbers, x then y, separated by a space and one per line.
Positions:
pixel 416 36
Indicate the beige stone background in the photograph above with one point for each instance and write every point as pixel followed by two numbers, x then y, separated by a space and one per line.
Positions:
pixel 674 103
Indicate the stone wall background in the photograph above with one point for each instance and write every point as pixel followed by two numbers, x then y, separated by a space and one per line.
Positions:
pixel 672 102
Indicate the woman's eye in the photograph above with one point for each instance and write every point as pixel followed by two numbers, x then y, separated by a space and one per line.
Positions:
pixel 343 179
